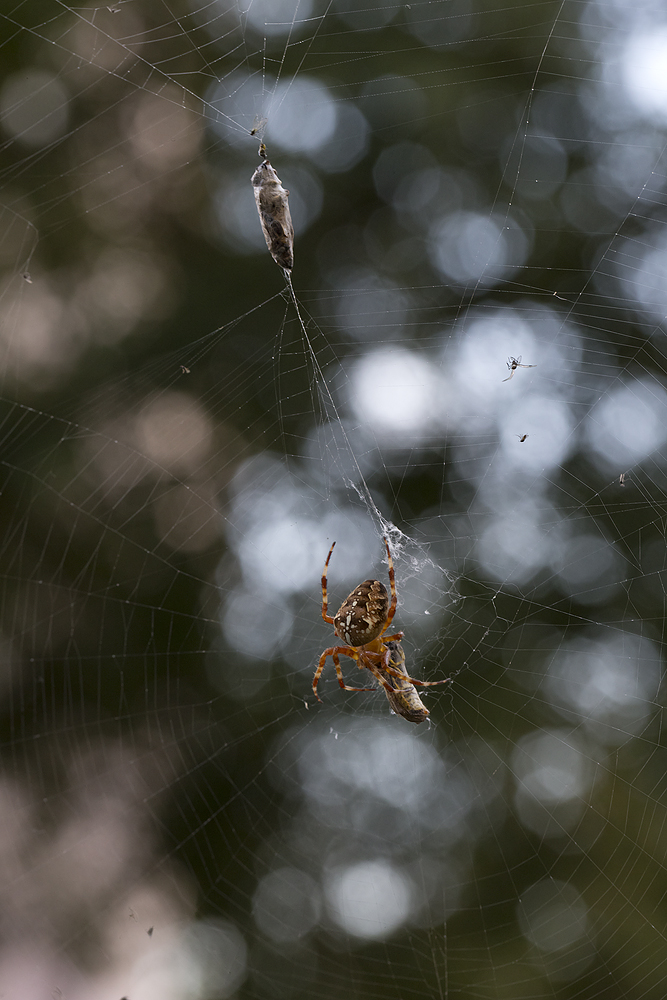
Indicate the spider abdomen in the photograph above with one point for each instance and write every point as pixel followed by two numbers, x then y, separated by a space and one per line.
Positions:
pixel 362 615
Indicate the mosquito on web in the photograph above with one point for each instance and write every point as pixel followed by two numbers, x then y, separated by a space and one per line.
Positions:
pixel 513 364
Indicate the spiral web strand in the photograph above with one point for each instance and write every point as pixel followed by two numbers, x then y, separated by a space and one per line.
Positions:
pixel 185 430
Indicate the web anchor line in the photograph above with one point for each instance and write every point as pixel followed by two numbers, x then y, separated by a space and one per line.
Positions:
pixel 271 199
pixel 361 487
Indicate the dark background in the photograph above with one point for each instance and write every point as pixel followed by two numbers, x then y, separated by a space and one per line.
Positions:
pixel 160 769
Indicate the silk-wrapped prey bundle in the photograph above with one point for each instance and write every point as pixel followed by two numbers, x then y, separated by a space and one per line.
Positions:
pixel 274 214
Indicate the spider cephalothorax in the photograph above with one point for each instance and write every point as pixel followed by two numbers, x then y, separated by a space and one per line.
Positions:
pixel 362 622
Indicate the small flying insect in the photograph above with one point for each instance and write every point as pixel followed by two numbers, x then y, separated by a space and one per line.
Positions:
pixel 186 371
pixel 513 364
pixel 274 213
pixel 623 478
pixel 361 622
pixel 522 437
pixel 258 125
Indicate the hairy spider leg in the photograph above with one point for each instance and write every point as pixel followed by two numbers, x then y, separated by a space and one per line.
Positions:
pixel 396 637
pixel 334 652
pixel 376 673
pixel 368 665
pixel 392 585
pixel 339 673
pixel 325 599
pixel 383 662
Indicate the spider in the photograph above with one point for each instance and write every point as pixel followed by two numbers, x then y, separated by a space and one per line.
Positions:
pixel 362 622
pixel 513 364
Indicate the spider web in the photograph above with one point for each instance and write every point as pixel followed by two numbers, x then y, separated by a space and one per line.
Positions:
pixel 184 433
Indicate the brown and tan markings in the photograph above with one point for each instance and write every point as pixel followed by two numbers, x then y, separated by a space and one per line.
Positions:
pixel 362 622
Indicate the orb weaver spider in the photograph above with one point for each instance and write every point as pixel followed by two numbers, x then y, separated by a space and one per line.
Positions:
pixel 362 621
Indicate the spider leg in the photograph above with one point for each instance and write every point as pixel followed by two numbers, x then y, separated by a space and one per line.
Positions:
pixel 376 673
pixel 320 668
pixel 334 652
pixel 413 680
pixel 325 599
pixel 509 376
pixel 385 656
pixel 392 638
pixel 392 585
pixel 339 675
